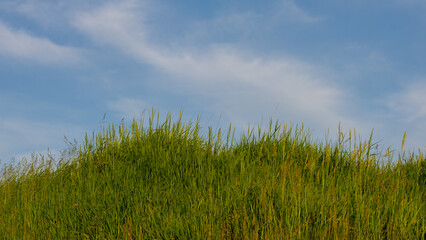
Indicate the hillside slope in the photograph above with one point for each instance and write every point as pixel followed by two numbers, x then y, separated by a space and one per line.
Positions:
pixel 167 181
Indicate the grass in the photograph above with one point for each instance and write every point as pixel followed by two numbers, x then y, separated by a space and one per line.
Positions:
pixel 168 181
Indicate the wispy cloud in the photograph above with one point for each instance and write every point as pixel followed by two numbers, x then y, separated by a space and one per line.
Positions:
pixel 128 108
pixel 15 134
pixel 410 102
pixel 248 24
pixel 47 13
pixel 292 12
pixel 19 44
pixel 236 80
pixel 240 24
pixel 43 12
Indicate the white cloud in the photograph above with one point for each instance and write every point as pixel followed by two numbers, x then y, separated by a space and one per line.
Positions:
pixel 128 108
pixel 17 43
pixel 293 12
pixel 234 79
pixel 43 12
pixel 18 135
pixel 407 113
pixel 47 13
pixel 410 102
pixel 228 80
pixel 241 24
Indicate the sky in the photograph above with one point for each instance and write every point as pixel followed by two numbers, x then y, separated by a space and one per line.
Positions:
pixel 67 68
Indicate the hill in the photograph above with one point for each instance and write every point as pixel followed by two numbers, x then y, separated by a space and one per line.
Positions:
pixel 167 181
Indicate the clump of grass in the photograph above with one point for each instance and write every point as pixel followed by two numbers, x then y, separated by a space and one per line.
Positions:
pixel 167 181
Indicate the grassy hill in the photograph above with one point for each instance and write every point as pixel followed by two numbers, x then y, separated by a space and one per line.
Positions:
pixel 167 181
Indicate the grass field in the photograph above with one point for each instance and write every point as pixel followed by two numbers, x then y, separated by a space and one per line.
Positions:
pixel 165 180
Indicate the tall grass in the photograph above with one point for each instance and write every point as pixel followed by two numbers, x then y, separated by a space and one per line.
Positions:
pixel 167 181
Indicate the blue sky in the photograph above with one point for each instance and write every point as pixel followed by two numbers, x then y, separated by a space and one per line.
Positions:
pixel 64 64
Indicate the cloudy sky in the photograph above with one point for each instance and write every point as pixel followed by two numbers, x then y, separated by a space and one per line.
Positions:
pixel 64 65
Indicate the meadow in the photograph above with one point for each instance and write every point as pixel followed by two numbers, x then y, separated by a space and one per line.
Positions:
pixel 166 180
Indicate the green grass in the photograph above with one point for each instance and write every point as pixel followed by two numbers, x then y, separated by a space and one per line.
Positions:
pixel 168 181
